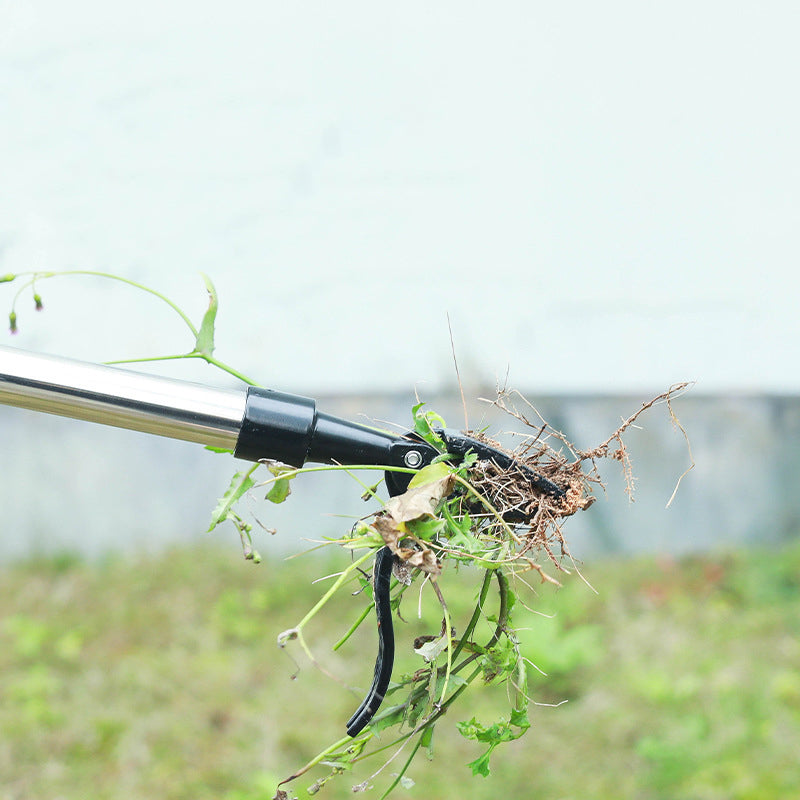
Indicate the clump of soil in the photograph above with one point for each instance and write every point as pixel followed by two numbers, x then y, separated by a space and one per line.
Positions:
pixel 537 514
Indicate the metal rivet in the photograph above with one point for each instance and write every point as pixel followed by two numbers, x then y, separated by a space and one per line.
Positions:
pixel 413 458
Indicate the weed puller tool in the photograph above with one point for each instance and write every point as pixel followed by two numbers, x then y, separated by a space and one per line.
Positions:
pixel 256 424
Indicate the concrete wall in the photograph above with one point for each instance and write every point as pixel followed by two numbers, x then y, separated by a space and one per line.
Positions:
pixel 75 486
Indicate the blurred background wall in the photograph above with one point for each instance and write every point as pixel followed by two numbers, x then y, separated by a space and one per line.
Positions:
pixel 603 199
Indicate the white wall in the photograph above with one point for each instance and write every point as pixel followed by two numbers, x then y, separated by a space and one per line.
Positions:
pixel 604 196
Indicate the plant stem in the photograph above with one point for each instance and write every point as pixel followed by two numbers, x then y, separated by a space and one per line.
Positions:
pixel 476 615
pixel 448 634
pixel 403 769
pixel 502 620
pixel 215 362
pixel 333 589
pixel 488 506
pixel 317 758
pixel 326 467
pixel 96 274
pixel 362 616
pixel 431 720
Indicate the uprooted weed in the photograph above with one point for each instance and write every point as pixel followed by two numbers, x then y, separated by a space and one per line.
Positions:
pixel 471 511
pixel 549 453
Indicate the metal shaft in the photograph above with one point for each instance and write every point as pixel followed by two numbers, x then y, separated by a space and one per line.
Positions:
pixel 118 397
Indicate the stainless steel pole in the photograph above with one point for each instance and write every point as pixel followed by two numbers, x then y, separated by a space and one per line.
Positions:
pixel 121 398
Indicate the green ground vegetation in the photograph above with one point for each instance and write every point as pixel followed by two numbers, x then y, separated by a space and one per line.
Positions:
pixel 159 676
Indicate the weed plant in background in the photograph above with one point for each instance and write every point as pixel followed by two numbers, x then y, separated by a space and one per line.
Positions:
pixel 460 514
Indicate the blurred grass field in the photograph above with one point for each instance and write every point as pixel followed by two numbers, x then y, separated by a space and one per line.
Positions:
pixel 160 677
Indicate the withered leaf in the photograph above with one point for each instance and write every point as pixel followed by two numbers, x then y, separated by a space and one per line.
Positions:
pixel 423 559
pixel 419 501
pixel 389 531
pixel 431 649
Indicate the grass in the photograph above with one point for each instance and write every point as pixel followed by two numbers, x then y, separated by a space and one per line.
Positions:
pixel 160 677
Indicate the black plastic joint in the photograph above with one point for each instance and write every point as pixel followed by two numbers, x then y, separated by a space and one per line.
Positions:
pixel 288 428
pixel 338 441
pixel 276 425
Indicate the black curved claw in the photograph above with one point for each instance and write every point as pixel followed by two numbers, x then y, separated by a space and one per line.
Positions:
pixel 385 661
pixel 459 444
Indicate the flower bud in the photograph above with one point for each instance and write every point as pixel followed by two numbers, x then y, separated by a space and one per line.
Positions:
pixel 37 299
pixel 7 278
pixel 12 322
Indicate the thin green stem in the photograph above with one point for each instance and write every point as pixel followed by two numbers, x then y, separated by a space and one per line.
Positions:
pixel 502 620
pixel 333 467
pixel 403 769
pixel 448 634
pixel 20 291
pixel 476 614
pixel 488 506
pixel 96 274
pixel 176 357
pixel 502 614
pixel 333 589
pixel 215 362
pixel 447 703
pixel 431 720
pixel 317 758
pixel 361 617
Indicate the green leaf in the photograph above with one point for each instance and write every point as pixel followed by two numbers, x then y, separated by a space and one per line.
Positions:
pixel 431 473
pixel 480 766
pixel 468 729
pixel 213 449
pixel 240 483
pixel 426 529
pixel 499 660
pixel 388 718
pixel 423 425
pixel 459 533
pixel 493 735
pixel 426 741
pixel 520 719
pixel 280 491
pixel 469 459
pixel 204 344
pixel 451 683
pixel 518 684
pixel 511 601
pixel 418 701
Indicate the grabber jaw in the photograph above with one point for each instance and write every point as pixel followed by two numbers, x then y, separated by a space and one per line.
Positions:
pixel 460 444
pixel 412 452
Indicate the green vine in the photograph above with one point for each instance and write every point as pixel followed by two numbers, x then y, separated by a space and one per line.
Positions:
pixel 203 345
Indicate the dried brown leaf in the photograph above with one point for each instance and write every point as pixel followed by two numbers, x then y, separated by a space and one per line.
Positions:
pixel 424 559
pixel 420 501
